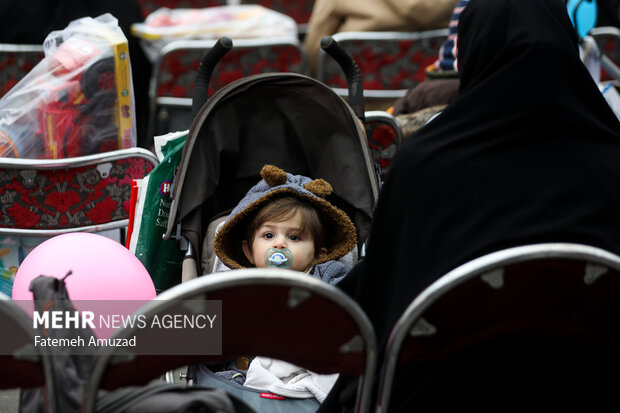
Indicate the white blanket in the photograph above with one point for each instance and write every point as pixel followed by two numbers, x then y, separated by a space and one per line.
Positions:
pixel 288 380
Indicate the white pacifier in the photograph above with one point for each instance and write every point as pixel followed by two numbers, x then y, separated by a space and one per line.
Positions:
pixel 275 258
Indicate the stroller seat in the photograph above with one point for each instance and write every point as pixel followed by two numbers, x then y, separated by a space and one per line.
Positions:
pixel 284 119
pixel 287 120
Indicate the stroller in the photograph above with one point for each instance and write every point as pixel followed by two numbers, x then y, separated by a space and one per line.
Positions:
pixel 284 119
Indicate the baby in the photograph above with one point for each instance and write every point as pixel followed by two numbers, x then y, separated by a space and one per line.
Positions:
pixel 284 221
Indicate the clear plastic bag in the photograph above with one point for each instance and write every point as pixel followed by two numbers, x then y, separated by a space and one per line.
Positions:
pixel 77 101
pixel 240 21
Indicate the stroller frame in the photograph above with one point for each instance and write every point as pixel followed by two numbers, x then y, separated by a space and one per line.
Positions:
pixel 186 223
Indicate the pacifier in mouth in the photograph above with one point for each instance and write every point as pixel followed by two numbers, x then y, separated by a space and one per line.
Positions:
pixel 275 258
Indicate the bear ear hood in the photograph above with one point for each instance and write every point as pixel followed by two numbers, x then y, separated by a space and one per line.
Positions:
pixel 341 234
pixel 275 176
pixel 319 187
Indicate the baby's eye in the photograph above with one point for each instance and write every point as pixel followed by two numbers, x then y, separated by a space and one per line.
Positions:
pixel 268 235
pixel 294 237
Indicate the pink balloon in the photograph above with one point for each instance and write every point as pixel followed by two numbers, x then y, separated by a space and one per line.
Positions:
pixel 102 269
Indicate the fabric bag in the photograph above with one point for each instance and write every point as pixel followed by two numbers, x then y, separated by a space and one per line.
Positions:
pixel 69 371
pixel 165 398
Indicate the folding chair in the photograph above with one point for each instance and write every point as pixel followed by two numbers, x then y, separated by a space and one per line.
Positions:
pixel 42 198
pixel 559 290
pixel 22 364
pixel 16 60
pixel 172 81
pixel 391 62
pixel 264 311
pixel 384 137
pixel 608 41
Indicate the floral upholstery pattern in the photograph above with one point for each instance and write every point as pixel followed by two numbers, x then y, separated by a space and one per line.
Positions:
pixel 149 6
pixel 15 65
pixel 386 64
pixel 68 198
pixel 177 70
pixel 383 140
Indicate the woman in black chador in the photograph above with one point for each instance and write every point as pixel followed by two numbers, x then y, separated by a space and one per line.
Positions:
pixel 528 152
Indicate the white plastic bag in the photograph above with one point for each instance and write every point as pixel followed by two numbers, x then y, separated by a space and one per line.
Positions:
pixel 243 21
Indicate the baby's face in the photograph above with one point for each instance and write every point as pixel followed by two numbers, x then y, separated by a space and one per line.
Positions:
pixel 281 235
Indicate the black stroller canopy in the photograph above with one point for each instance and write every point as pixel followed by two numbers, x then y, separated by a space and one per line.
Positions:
pixel 285 119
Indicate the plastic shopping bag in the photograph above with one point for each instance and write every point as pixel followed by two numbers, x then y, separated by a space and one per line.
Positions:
pixel 77 101
pixel 236 21
pixel 149 216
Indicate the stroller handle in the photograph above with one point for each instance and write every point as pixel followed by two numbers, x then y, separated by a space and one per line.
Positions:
pixel 207 65
pixel 351 71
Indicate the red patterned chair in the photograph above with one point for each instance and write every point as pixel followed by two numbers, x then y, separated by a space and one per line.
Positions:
pixel 149 6
pixel 608 40
pixel 48 197
pixel 44 198
pixel 391 62
pixel 16 60
pixel 172 82
pixel 384 137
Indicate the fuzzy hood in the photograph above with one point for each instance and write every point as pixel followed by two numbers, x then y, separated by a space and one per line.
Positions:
pixel 340 231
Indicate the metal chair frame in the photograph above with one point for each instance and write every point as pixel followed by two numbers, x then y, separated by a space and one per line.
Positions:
pixel 344 37
pixel 292 286
pixel 102 160
pixel 489 269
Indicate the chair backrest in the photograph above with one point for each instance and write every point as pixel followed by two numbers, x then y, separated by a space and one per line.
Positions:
pixel 172 82
pixel 391 62
pixel 16 60
pixel 22 363
pixel 42 198
pixel 608 41
pixel 269 312
pixel 384 136
pixel 556 289
pixel 47 197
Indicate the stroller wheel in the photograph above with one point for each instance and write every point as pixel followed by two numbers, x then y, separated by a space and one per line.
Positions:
pixel 99 80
